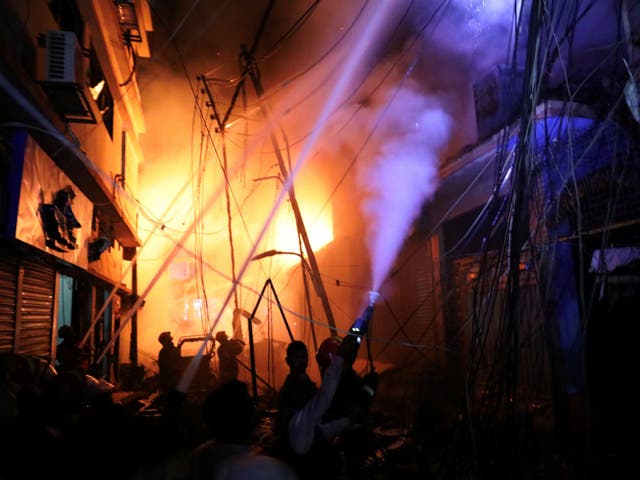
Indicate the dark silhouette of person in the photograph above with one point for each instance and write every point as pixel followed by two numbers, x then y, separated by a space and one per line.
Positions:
pixel 355 394
pixel 353 399
pixel 232 419
pixel 302 438
pixel 228 350
pixel 67 352
pixel 296 390
pixel 169 364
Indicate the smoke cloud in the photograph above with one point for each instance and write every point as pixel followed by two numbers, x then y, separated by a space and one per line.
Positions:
pixel 417 128
pixel 403 173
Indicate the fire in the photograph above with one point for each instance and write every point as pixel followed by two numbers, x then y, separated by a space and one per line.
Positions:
pixel 319 232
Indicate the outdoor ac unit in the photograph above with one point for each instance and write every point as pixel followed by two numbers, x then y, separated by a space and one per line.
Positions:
pixel 63 77
pixel 63 57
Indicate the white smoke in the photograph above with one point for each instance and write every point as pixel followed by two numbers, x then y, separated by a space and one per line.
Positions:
pixel 466 39
pixel 403 174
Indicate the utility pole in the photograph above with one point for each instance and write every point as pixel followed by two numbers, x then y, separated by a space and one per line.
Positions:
pixel 133 347
pixel 225 170
pixel 251 69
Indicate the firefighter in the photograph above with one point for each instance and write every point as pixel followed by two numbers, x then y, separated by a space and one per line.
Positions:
pixel 228 350
pixel 169 364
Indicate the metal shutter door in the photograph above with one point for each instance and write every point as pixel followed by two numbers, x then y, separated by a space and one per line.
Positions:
pixel 8 290
pixel 35 314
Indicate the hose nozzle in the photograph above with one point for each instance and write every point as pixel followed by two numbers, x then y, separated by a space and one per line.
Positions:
pixel 361 326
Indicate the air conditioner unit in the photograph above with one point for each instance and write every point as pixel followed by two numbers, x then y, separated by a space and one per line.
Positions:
pixel 63 77
pixel 63 60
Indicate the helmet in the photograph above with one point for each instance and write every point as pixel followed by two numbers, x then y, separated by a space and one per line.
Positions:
pixel 327 350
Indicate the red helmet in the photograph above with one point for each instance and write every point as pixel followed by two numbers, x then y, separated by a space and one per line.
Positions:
pixel 327 350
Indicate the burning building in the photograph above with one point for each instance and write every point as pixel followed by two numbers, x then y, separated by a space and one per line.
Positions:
pixel 70 125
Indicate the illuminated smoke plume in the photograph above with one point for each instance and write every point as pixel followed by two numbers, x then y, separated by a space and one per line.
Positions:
pixel 462 43
pixel 403 174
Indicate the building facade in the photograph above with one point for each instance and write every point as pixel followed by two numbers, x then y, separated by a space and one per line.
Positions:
pixel 538 224
pixel 70 122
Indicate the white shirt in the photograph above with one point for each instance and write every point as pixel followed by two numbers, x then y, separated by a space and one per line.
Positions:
pixel 303 423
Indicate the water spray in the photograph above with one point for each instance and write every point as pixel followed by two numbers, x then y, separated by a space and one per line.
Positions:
pixel 373 296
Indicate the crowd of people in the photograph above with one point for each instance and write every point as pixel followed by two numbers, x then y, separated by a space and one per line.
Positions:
pixel 57 418
pixel 171 364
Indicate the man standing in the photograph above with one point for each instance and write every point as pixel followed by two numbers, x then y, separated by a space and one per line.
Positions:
pixel 67 351
pixel 228 350
pixel 302 438
pixel 353 398
pixel 169 364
